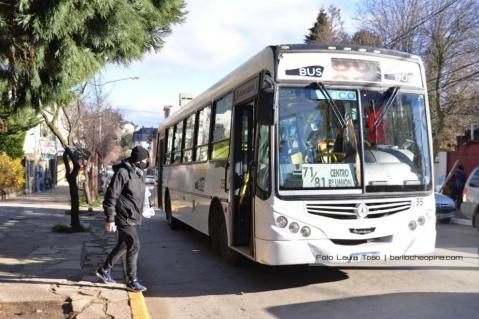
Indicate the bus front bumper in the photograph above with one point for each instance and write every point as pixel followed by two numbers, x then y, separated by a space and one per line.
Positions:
pixel 325 251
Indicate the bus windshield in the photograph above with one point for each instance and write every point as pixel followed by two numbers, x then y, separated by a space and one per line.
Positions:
pixel 320 140
pixel 396 147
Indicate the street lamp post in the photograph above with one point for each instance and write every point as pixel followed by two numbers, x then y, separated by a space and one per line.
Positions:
pixel 117 80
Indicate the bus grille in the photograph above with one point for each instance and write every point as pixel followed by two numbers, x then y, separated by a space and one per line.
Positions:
pixel 349 211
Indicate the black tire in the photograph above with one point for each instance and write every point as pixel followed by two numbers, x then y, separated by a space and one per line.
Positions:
pixel 172 222
pixel 230 256
pixel 445 221
pixel 214 230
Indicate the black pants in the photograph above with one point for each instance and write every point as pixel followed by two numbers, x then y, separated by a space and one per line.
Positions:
pixel 129 243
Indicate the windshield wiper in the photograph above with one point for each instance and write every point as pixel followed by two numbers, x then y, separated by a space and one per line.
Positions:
pixel 332 105
pixel 387 105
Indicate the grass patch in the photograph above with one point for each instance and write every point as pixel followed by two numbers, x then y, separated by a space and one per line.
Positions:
pixel 96 204
pixel 61 228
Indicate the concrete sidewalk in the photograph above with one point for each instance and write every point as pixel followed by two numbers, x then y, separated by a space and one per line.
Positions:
pixel 41 270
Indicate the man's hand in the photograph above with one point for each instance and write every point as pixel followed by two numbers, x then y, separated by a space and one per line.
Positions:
pixel 109 227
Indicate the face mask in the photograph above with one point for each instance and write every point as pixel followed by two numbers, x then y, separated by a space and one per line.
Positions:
pixel 143 164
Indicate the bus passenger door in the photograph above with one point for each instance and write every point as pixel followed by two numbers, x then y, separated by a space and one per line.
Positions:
pixel 242 159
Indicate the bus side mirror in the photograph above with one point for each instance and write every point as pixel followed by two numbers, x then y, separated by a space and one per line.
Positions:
pixel 265 115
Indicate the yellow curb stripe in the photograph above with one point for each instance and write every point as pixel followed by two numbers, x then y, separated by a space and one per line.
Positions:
pixel 138 306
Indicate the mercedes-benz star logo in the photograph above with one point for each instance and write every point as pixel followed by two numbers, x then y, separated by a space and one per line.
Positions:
pixel 362 210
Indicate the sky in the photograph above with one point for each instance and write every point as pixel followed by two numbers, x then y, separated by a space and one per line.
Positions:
pixel 216 37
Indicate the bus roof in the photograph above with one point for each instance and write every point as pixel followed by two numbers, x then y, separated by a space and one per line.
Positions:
pixel 265 60
pixel 356 49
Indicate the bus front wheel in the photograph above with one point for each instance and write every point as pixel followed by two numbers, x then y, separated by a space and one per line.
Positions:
pixel 172 222
pixel 228 255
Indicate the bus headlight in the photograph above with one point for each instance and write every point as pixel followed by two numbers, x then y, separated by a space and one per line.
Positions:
pixel 281 221
pixel 305 231
pixel 421 220
pixel 412 225
pixel 294 227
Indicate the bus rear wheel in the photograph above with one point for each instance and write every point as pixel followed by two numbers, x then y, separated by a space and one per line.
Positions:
pixel 172 222
pixel 228 255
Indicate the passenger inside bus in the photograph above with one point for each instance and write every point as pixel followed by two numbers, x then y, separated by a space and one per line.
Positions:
pixel 375 124
pixel 290 150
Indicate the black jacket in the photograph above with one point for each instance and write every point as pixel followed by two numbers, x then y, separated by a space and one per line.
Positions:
pixel 123 203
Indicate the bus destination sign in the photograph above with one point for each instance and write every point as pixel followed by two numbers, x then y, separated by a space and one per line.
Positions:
pixel 339 67
pixel 328 175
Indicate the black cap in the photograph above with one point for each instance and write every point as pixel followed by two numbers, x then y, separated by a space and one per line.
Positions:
pixel 139 153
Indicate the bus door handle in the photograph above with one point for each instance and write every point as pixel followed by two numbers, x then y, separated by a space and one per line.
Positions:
pixel 227 166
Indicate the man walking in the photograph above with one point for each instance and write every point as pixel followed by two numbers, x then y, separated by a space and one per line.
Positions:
pixel 123 205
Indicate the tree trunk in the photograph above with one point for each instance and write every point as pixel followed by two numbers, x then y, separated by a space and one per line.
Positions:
pixel 91 181
pixel 438 137
pixel 71 173
pixel 86 184
pixel 93 178
pixel 75 202
pixel 71 176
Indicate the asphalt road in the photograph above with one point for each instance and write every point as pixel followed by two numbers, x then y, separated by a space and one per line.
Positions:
pixel 186 279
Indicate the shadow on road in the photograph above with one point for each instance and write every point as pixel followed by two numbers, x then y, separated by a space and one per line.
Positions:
pixel 182 263
pixel 29 248
pixel 396 305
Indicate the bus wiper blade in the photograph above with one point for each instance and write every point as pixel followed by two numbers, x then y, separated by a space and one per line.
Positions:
pixel 387 105
pixel 332 105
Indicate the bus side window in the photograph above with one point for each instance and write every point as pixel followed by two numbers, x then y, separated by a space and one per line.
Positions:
pixel 169 145
pixel 263 171
pixel 189 132
pixel 222 127
pixel 201 144
pixel 178 142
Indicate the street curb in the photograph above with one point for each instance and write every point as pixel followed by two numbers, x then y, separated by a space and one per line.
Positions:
pixel 461 221
pixel 138 306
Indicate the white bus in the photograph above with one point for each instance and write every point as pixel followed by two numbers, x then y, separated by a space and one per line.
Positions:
pixel 305 154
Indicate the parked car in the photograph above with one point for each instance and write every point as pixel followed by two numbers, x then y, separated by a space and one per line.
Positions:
pixel 150 179
pixel 470 198
pixel 445 208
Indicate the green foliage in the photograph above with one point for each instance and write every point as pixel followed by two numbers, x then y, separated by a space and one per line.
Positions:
pixel 12 145
pixel 49 47
pixel 328 27
pixel 96 204
pixel 321 30
pixel 17 121
pixel 61 228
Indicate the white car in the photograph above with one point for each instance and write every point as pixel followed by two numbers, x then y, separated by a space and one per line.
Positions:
pixel 470 198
